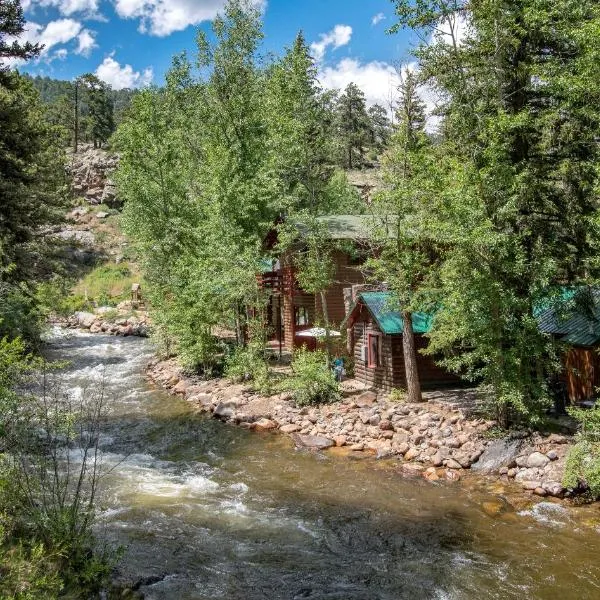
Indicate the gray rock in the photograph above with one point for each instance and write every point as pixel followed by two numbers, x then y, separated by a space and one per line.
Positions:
pixel 224 410
pixel 552 455
pixel 500 453
pixel 528 475
pixel 537 460
pixel 366 399
pixel 375 420
pixel 290 428
pixel 312 441
pixel 85 319
pixel 437 460
pixel 554 488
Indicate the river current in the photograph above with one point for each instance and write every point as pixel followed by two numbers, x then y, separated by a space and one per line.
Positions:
pixel 208 511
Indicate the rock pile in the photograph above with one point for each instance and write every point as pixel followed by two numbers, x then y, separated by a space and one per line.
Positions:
pixel 432 439
pixel 90 171
pixel 100 322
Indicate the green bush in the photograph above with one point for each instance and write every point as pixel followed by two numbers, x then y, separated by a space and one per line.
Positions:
pixel 312 381
pixel 582 468
pixel 247 363
pixel 54 298
pixel 20 314
pixel 200 352
pixel 47 545
pixel 28 573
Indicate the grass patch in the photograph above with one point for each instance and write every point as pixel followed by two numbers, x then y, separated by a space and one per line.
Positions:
pixel 108 284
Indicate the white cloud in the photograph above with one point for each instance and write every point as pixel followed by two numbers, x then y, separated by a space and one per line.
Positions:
pixel 339 36
pixel 163 17
pixel 120 77
pixel 86 42
pixel 378 80
pixel 65 7
pixel 377 19
pixel 61 54
pixel 54 33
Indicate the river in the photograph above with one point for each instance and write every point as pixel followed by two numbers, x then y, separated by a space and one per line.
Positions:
pixel 208 511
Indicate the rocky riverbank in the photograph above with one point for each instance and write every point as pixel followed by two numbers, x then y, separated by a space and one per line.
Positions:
pixel 114 321
pixel 436 439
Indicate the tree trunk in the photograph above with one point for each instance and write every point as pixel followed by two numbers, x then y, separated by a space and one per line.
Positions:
pixel 413 385
pixel 326 321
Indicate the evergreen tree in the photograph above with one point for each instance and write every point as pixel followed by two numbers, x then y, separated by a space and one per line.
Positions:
pixel 99 108
pixel 12 24
pixel 519 216
pixel 32 188
pixel 300 150
pixel 352 126
pixel 380 128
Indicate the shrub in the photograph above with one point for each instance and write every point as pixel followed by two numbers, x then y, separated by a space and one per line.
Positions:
pixel 54 299
pixel 311 382
pixel 200 352
pixel 582 468
pixel 47 546
pixel 247 363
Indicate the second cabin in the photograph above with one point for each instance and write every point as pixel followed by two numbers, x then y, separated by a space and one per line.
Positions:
pixel 375 342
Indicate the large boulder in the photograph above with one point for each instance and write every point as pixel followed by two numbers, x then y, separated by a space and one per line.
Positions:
pixel 537 460
pixel 500 453
pixel 315 442
pixel 85 319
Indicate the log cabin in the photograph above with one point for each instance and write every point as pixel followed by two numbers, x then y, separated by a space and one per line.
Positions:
pixel 291 309
pixel 577 327
pixel 375 342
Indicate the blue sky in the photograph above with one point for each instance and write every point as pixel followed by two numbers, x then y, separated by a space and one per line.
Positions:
pixel 129 43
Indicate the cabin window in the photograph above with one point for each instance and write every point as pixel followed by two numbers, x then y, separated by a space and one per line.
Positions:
pixel 300 316
pixel 374 350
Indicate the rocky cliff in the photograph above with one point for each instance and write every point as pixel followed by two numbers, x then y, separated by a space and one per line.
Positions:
pixel 90 169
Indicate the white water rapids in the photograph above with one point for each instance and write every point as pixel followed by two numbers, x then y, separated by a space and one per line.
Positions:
pixel 208 511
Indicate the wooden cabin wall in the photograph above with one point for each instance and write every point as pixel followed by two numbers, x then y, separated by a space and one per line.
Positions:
pixel 391 373
pixel 345 276
pixel 381 377
pixel 581 373
pixel 430 374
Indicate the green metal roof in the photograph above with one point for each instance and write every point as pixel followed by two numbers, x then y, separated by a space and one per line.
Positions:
pixel 574 319
pixel 381 305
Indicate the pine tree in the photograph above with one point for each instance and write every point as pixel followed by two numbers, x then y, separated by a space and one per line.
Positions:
pixel 12 24
pixel 32 187
pixel 99 108
pixel 352 126
pixel 380 128
pixel 299 148
pixel 518 220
